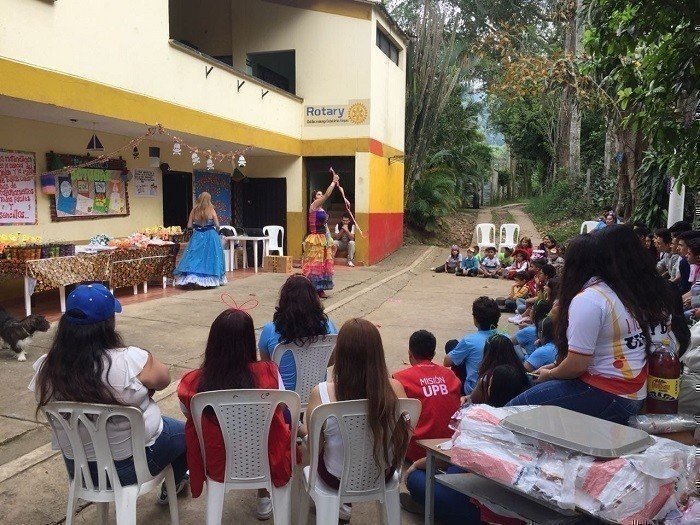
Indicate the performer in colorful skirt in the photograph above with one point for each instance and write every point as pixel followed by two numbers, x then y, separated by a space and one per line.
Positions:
pixel 203 262
pixel 317 262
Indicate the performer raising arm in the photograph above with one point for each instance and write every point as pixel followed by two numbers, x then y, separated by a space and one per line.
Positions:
pixel 317 261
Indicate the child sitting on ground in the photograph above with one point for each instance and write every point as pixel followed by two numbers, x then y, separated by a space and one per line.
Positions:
pixel 452 262
pixel 546 351
pixel 525 244
pixel 490 266
pixel 499 351
pixel 526 337
pixel 470 350
pixel 469 266
pixel 556 260
pixel 436 387
pixel 520 264
pixel 506 257
pixel 520 290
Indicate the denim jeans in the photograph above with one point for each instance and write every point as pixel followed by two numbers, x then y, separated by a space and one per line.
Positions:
pixel 168 449
pixel 521 306
pixel 451 507
pixel 580 397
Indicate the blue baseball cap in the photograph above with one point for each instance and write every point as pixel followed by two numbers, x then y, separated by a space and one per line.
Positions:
pixel 90 304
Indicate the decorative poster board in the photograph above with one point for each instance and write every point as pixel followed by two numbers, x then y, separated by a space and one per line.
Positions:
pixel 218 184
pixel 88 193
pixel 146 183
pixel 17 188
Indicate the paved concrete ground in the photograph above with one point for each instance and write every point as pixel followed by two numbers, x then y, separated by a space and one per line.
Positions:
pixel 400 295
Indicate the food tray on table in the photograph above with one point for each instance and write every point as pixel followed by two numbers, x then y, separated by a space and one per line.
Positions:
pixel 578 432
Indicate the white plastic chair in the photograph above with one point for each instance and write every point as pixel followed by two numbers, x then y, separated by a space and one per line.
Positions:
pixel 244 417
pixel 362 479
pixel 85 424
pixel 588 226
pixel 276 236
pixel 509 236
pixel 311 362
pixel 486 235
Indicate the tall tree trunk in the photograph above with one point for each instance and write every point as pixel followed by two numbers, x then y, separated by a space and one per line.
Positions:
pixel 575 125
pixel 631 145
pixel 609 145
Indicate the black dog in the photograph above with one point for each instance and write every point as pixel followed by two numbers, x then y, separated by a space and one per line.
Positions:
pixel 17 335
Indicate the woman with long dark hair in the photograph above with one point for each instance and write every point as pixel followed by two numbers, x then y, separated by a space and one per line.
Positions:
pixel 298 318
pixel 499 351
pixel 89 363
pixel 230 362
pixel 610 299
pixel 317 260
pixel 360 372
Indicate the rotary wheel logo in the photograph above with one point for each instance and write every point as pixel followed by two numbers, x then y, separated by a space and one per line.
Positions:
pixel 357 113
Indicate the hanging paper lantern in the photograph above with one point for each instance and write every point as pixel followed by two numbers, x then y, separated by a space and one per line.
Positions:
pixel 210 164
pixel 241 161
pixel 195 159
pixel 177 149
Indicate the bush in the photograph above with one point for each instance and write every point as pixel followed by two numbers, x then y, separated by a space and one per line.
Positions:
pixel 433 197
pixel 561 209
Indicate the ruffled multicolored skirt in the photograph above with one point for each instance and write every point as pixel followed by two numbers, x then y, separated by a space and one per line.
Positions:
pixel 317 263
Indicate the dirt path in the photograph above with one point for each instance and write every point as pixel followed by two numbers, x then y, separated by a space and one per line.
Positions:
pixel 499 214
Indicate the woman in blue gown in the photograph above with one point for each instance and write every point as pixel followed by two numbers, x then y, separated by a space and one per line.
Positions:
pixel 203 262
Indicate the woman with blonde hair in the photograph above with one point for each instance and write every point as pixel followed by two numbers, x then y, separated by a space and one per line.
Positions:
pixel 203 261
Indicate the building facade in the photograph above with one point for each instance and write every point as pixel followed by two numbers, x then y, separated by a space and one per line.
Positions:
pixel 309 84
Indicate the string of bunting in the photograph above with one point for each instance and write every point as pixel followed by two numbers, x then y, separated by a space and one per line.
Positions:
pixel 212 156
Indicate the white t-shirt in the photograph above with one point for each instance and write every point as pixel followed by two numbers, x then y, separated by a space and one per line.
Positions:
pixel 491 263
pixel 127 363
pixel 600 326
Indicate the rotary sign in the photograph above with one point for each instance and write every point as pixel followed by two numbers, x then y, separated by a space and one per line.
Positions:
pixel 354 113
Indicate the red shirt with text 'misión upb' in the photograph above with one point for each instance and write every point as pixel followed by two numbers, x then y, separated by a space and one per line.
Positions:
pixel 438 389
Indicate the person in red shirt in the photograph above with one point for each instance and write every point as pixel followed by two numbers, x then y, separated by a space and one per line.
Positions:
pixel 435 386
pixel 230 362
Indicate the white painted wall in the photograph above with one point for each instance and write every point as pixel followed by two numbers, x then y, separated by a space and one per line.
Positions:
pixel 124 44
pixel 388 91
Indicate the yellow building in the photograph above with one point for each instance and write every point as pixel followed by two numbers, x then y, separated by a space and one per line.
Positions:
pixel 309 84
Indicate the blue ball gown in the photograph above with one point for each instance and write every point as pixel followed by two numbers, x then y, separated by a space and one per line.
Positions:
pixel 203 261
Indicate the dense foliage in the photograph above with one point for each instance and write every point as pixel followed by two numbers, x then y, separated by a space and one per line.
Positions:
pixel 447 158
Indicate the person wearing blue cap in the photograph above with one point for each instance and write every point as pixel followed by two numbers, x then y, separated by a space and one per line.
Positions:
pixel 89 363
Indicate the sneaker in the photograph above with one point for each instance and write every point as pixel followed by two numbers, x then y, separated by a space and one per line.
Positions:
pixel 410 505
pixel 350 263
pixel 264 510
pixel 322 295
pixel 516 319
pixel 344 514
pixel 162 497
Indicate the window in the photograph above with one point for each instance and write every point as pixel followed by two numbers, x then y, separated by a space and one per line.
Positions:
pixel 387 46
pixel 274 67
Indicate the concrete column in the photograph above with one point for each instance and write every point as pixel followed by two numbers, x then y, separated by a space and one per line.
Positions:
pixel 676 200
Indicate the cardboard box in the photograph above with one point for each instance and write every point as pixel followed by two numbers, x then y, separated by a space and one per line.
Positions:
pixel 277 264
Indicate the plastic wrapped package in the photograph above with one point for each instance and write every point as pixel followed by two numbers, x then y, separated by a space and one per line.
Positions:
pixel 664 423
pixel 630 489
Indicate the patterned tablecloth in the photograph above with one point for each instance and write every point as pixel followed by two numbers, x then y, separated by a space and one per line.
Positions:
pixel 118 268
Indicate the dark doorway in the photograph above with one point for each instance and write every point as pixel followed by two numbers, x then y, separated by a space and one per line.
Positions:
pixel 260 202
pixel 177 198
pixel 319 177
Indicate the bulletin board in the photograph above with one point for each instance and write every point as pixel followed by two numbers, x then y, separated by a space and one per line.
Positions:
pixel 97 192
pixel 17 188
pixel 218 184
